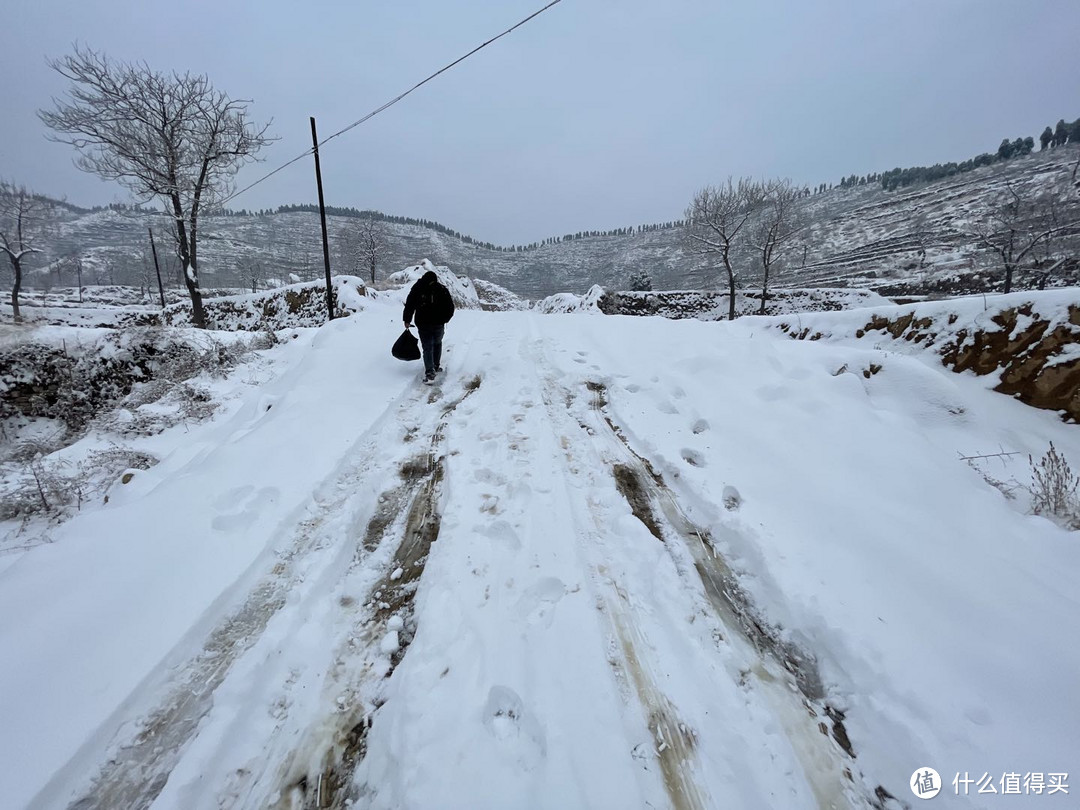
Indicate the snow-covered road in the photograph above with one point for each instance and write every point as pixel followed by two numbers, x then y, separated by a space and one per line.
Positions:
pixel 606 563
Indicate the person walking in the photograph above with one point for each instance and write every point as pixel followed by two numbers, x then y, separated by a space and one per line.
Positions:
pixel 429 303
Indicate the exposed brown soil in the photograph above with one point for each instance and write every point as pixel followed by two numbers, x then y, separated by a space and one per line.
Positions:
pixel 1022 358
pixel 629 486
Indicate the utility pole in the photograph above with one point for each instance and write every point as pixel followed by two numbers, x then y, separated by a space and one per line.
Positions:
pixel 157 268
pixel 322 218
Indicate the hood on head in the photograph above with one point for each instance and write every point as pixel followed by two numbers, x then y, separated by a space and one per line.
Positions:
pixel 429 277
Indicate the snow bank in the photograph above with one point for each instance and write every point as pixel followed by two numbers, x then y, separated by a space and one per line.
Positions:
pixel 498 299
pixel 461 288
pixel 287 307
pixel 72 374
pixel 707 305
pixel 1027 341
pixel 106 390
pixel 713 305
pixel 569 302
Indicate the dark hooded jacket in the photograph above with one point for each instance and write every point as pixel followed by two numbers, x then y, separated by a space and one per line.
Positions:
pixel 429 302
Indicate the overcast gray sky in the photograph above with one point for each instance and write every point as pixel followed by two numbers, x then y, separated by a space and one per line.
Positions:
pixel 597 114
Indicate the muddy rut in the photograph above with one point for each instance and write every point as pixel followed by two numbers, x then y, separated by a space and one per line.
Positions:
pixel 138 766
pixel 318 772
pixel 816 728
pixel 783 673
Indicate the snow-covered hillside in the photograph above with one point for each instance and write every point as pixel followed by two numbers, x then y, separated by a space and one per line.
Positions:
pixel 911 241
pixel 604 562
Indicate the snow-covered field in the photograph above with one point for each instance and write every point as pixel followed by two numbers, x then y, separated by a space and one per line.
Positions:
pixel 607 562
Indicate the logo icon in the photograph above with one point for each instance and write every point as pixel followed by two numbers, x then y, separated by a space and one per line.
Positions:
pixel 925 783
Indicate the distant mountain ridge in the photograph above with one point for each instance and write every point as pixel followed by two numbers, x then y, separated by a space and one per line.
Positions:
pixel 900 242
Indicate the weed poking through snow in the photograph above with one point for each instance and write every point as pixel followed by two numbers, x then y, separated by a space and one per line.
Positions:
pixel 1053 488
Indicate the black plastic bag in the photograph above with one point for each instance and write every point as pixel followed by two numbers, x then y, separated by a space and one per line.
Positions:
pixel 406 347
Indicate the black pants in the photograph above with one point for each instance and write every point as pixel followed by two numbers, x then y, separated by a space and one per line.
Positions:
pixel 431 342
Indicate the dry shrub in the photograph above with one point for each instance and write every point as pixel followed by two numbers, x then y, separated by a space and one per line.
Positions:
pixel 1053 487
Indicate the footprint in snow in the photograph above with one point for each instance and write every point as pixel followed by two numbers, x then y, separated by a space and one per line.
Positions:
pixel 489 476
pixel 519 733
pixel 229 499
pixel 700 426
pixel 693 457
pixel 246 508
pixel 537 604
pixel 503 534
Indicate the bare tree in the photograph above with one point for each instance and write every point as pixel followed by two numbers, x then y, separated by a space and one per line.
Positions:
pixel 1059 252
pixel 362 245
pixel 716 221
pixel 171 137
pixel 103 270
pixel 46 285
pixel 146 271
pixel 347 246
pixel 251 271
pixel 23 218
pixel 373 244
pixel 777 225
pixel 922 234
pixel 1016 225
pixel 66 268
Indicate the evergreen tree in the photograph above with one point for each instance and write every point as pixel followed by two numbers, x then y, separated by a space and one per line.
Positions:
pixel 1045 138
pixel 1061 134
pixel 1005 151
pixel 640 281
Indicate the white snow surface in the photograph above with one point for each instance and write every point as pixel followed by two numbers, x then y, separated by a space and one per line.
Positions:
pixel 563 303
pixel 210 636
pixel 461 287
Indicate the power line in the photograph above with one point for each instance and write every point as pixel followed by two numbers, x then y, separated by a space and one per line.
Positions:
pixel 390 103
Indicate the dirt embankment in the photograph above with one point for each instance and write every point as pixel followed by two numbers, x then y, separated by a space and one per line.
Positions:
pixel 1037 358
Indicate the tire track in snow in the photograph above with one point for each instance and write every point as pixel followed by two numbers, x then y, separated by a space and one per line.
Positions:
pixel 317 773
pixel 674 741
pixel 138 763
pixel 782 676
pixel 815 728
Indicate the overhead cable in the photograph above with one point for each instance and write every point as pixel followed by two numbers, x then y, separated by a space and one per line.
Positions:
pixel 390 103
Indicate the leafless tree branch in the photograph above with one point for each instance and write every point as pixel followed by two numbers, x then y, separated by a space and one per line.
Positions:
pixel 172 137
pixel 716 222
pixel 777 225
pixel 24 219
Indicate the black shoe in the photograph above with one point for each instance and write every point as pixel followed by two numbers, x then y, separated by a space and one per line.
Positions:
pixel 429 378
pixel 438 369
